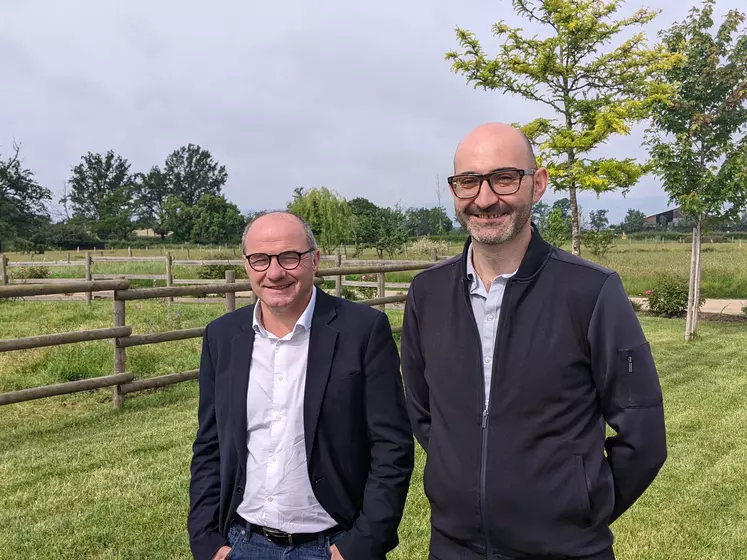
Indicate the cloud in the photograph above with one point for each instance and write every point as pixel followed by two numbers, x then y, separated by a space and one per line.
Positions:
pixel 353 96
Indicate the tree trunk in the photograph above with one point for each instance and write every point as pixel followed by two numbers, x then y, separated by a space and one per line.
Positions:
pixel 696 297
pixel 575 223
pixel 694 287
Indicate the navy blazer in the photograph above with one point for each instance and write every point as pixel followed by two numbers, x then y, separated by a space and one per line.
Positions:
pixel 359 443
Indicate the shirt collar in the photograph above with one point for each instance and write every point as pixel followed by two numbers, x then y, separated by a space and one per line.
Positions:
pixel 474 278
pixel 303 322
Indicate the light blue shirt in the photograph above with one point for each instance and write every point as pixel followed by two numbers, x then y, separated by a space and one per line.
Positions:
pixel 486 305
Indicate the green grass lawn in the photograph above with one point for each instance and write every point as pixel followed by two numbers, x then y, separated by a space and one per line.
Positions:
pixel 78 479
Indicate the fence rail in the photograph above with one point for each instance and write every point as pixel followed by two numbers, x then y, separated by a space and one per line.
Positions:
pixel 124 383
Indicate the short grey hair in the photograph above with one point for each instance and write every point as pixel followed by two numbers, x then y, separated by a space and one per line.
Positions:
pixel 306 227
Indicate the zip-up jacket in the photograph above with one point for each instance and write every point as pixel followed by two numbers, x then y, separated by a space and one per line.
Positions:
pixel 533 475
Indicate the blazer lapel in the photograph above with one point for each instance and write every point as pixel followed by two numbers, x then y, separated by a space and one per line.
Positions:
pixel 240 362
pixel 322 344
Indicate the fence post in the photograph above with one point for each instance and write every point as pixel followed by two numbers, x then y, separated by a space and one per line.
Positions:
pixel 119 353
pixel 89 295
pixel 187 253
pixel 338 279
pixel 230 296
pixel 169 276
pixel 382 288
pixel 129 252
pixel 434 254
pixel 4 269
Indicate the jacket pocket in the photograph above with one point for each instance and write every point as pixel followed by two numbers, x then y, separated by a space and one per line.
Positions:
pixel 583 489
pixel 642 380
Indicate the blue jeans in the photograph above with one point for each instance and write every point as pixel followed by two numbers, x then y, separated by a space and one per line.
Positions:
pixel 246 545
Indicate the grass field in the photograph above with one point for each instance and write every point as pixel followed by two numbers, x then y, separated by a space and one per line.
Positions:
pixel 724 265
pixel 78 479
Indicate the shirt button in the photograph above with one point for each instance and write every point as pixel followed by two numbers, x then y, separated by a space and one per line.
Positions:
pixel 489 317
pixel 488 359
pixel 280 378
pixel 278 417
pixel 269 499
pixel 272 459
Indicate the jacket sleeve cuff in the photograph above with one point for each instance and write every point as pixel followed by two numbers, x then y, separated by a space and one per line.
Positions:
pixel 354 546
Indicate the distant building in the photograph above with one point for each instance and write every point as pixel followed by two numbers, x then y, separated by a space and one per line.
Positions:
pixel 663 218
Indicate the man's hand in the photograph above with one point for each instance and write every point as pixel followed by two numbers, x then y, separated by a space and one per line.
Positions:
pixel 223 552
pixel 336 553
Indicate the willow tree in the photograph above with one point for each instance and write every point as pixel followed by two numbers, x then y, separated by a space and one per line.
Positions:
pixel 595 90
pixel 697 139
pixel 329 216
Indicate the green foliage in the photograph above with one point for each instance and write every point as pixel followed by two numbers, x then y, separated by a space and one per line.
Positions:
pixel 27 272
pixel 669 295
pixel 390 232
pixel 215 220
pixel 540 213
pixel 634 221
pixel 152 190
pixel 101 194
pixel 427 221
pixel 599 242
pixel 598 219
pixel 695 138
pixel 23 210
pixel 217 270
pixel 328 215
pixel 557 228
pixel 593 95
pixel 191 172
pixel 179 220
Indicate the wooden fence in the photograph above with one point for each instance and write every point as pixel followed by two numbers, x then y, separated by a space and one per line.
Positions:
pixel 123 382
pixel 168 263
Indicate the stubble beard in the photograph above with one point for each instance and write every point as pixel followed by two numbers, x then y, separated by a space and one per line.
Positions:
pixel 517 220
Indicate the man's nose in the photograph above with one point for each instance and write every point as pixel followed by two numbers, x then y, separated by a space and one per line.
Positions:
pixel 275 271
pixel 485 196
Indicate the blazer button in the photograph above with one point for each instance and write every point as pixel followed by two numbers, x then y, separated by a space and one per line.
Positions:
pixel 240 490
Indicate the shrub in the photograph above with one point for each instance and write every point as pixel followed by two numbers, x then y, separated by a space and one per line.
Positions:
pixel 636 306
pixel 26 272
pixel 669 296
pixel 217 270
pixel 424 246
pixel 598 242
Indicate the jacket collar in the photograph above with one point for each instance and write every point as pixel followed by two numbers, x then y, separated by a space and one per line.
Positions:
pixel 534 259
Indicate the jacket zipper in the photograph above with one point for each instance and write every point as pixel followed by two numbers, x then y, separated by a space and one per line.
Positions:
pixel 630 361
pixel 486 411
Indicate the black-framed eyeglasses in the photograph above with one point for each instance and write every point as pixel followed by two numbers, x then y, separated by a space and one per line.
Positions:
pixel 502 181
pixel 287 259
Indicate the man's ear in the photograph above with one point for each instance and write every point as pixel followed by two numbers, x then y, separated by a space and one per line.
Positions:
pixel 541 180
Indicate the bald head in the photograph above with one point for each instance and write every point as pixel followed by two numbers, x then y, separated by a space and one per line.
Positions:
pixel 278 224
pixel 494 142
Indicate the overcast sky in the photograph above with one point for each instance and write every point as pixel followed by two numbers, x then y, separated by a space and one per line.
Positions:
pixel 355 96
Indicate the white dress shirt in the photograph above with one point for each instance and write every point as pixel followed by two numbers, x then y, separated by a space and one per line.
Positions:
pixel 278 493
pixel 486 305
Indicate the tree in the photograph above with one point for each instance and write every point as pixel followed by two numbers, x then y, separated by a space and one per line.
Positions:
pixel 215 220
pixel 634 220
pixel 598 219
pixel 365 215
pixel 558 227
pixel 192 172
pixel 427 221
pixel 328 215
pixel 179 220
pixel 23 209
pixel 152 191
pixel 390 232
pixel 696 139
pixel 594 96
pixel 441 213
pixel 101 193
pixel 540 213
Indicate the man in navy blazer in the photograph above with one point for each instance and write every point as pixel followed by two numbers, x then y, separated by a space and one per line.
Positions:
pixel 303 448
